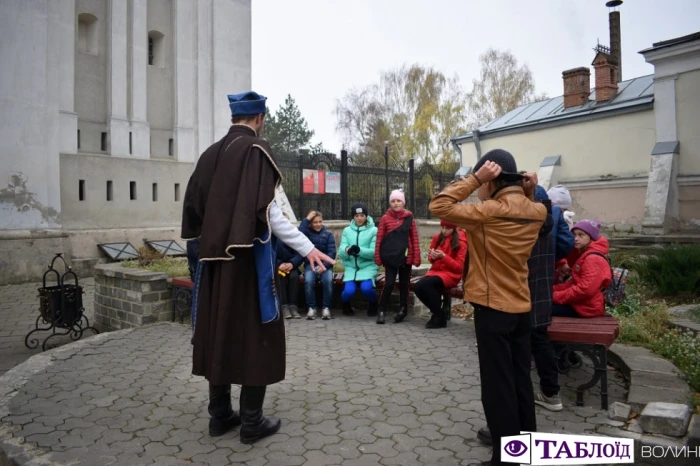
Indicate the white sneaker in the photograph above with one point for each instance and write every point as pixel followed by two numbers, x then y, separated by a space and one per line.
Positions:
pixel 326 314
pixel 311 315
pixel 552 403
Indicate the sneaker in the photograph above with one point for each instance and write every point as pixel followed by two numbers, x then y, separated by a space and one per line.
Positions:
pixel 552 403
pixel 295 312
pixel 311 315
pixel 286 312
pixel 326 314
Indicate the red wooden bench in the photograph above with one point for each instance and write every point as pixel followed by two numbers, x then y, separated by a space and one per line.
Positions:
pixel 182 297
pixel 592 337
pixel 589 336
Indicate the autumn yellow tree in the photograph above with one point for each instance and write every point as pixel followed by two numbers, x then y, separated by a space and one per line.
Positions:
pixel 503 85
pixel 414 110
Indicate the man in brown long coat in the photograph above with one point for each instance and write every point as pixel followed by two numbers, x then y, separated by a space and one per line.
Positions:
pixel 230 206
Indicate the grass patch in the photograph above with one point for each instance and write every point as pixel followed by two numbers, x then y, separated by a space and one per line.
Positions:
pixel 173 266
pixel 644 322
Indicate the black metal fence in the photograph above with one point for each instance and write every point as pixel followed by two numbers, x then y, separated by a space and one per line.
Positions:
pixel 368 185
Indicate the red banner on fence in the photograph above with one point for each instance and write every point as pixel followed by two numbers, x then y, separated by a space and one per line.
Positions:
pixel 314 182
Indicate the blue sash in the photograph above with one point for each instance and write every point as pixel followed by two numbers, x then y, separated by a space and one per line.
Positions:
pixel 265 266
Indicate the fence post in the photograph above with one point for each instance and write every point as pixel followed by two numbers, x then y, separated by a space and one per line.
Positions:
pixel 386 170
pixel 301 185
pixel 412 184
pixel 344 183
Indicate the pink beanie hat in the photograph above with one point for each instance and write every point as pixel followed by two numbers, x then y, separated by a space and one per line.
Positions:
pixel 397 194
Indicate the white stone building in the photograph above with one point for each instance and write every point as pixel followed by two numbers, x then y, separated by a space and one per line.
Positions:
pixel 105 106
pixel 628 150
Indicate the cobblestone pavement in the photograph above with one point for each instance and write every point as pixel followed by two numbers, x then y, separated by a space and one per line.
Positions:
pixel 356 394
pixel 19 308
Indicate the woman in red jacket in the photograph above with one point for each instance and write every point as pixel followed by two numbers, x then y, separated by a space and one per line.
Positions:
pixel 447 253
pixel 582 294
pixel 397 249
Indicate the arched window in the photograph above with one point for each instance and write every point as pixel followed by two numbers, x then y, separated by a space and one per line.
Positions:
pixel 156 54
pixel 87 33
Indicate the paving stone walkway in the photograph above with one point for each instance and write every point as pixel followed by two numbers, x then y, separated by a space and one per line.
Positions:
pixel 356 394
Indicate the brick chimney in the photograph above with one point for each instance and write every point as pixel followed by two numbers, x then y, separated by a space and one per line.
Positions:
pixel 615 41
pixel 615 35
pixel 606 72
pixel 577 86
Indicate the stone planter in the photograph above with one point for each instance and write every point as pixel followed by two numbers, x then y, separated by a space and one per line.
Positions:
pixel 127 298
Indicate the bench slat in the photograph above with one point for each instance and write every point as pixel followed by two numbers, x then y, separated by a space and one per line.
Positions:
pixel 591 337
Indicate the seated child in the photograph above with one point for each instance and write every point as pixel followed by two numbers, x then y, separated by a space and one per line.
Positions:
pixel 447 253
pixel 312 227
pixel 288 263
pixel 357 252
pixel 582 294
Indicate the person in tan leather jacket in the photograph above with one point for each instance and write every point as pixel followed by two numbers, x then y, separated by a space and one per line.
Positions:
pixel 501 231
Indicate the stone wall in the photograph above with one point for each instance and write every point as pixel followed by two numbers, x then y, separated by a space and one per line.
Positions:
pixel 126 298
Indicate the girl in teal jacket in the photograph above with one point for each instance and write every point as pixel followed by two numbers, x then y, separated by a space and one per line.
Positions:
pixel 357 252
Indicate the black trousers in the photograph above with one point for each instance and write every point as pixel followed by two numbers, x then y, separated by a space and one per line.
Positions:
pixel 289 288
pixel 404 273
pixel 504 364
pixel 546 363
pixel 429 290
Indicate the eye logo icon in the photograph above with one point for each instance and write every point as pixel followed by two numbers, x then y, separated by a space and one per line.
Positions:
pixel 515 448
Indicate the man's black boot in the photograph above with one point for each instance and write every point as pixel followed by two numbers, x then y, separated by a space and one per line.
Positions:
pixel 255 425
pixel 223 417
pixel 401 315
pixel 372 310
pixel 484 435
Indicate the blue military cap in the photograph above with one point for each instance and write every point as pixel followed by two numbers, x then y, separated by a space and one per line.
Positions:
pixel 247 103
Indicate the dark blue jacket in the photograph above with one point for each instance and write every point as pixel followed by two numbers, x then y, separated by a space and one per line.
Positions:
pixel 287 254
pixel 563 237
pixel 323 241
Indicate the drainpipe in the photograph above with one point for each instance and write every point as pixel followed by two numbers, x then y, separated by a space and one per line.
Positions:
pixel 458 148
pixel 477 144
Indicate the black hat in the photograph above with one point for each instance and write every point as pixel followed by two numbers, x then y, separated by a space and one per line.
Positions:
pixel 505 160
pixel 359 208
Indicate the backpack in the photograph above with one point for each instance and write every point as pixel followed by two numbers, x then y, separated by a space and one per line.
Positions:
pixel 615 292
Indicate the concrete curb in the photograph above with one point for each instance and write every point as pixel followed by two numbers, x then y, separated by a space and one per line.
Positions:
pixel 651 377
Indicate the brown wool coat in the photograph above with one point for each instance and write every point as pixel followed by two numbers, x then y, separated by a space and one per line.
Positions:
pixel 227 206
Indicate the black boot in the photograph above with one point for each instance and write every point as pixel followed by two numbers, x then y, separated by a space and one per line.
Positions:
pixel 381 316
pixel 347 309
pixel 255 425
pixel 223 417
pixel 484 435
pixel 372 310
pixel 437 320
pixel 401 315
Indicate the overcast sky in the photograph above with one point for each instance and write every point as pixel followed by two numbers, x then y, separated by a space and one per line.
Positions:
pixel 316 50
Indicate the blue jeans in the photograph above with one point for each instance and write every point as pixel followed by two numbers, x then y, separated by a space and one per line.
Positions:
pixel 366 287
pixel 310 278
